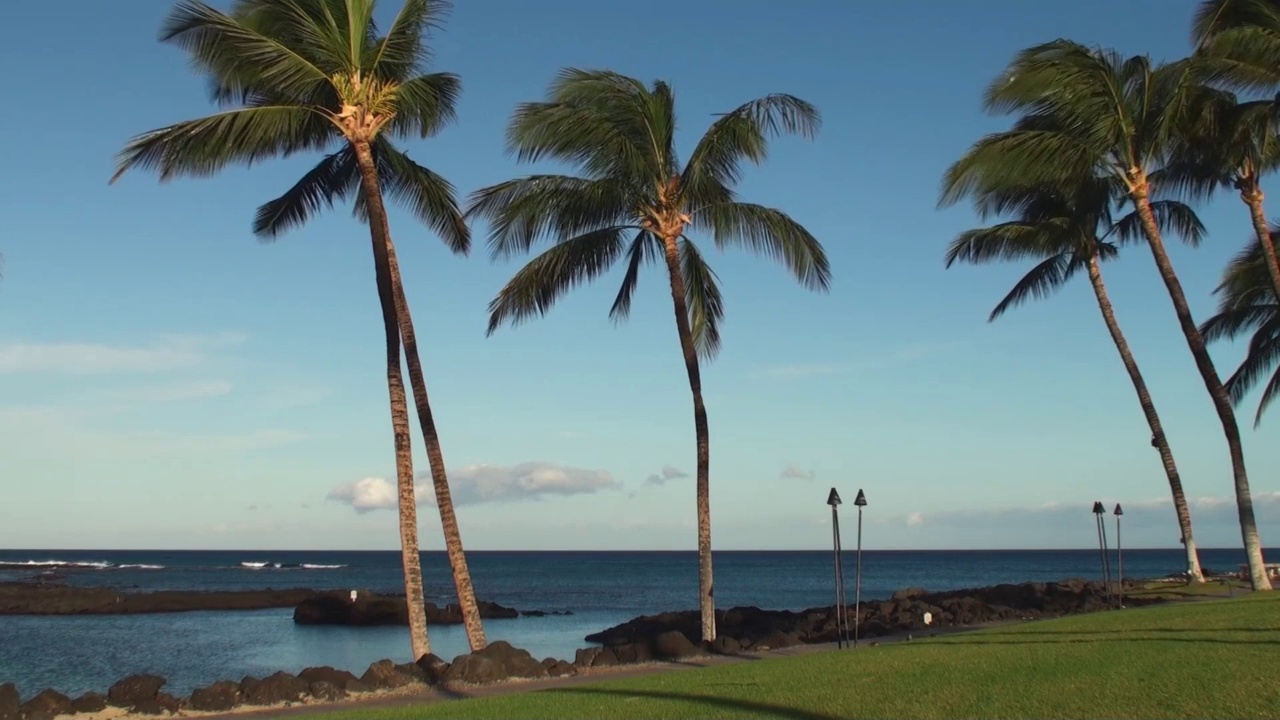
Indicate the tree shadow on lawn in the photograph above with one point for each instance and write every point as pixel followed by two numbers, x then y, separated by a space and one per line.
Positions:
pixel 781 711
pixel 1033 640
pixel 1121 633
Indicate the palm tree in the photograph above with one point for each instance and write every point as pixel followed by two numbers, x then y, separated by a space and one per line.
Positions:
pixel 1236 143
pixel 1248 306
pixel 1108 117
pixel 315 75
pixel 1065 232
pixel 620 135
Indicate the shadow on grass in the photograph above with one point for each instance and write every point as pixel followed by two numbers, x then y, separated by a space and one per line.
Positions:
pixel 1034 640
pixel 781 711
pixel 1121 634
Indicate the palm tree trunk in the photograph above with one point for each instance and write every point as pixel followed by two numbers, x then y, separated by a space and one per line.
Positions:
pixel 1253 197
pixel 439 477
pixel 1213 383
pixel 409 554
pixel 1194 575
pixel 706 589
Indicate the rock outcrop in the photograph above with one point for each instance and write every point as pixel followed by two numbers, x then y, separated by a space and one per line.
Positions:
pixel 45 598
pixel 743 628
pixel 374 610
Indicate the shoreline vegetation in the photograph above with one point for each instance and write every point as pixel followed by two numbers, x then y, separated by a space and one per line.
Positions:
pixel 664 638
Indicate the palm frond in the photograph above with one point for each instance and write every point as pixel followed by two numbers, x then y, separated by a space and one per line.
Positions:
pixel 1260 360
pixel 425 105
pixel 231 50
pixel 1171 217
pixel 595 120
pixel 743 135
pixel 1231 323
pixel 1042 281
pixel 702 295
pixel 535 288
pixel 202 147
pixel 771 233
pixel 1246 280
pixel 1016 159
pixel 520 212
pixel 334 178
pixel 645 248
pixel 1238 42
pixel 423 192
pixel 1013 240
pixel 402 50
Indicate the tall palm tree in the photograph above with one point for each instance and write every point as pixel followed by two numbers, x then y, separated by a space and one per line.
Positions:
pixel 620 135
pixel 1247 306
pixel 1236 143
pixel 317 75
pixel 1066 231
pixel 1111 117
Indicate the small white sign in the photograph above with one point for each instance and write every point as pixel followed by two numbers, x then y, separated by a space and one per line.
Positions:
pixel 928 618
pixel 354 595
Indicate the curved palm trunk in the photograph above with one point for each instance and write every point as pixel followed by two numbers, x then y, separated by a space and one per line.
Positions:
pixel 706 598
pixel 1253 198
pixel 439 477
pixel 409 554
pixel 1213 383
pixel 1158 438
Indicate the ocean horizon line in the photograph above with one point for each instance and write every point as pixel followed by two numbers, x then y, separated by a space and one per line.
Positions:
pixel 610 551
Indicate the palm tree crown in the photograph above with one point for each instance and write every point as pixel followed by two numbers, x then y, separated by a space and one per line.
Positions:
pixel 632 192
pixel 306 75
pixel 1062 229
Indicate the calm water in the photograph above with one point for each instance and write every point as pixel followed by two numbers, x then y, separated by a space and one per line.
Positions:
pixel 77 654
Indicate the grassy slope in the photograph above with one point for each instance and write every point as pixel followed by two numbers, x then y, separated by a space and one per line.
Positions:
pixel 1203 660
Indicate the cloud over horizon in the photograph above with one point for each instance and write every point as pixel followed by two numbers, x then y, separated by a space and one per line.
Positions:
pixel 668 473
pixel 476 484
pixel 170 352
pixel 795 472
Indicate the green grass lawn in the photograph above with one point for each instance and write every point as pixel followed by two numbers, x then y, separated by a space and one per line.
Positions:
pixel 1210 659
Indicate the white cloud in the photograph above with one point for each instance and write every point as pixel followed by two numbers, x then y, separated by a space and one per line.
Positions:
pixel 794 472
pixel 668 473
pixel 167 353
pixel 475 484
pixel 915 519
pixel 497 483
pixel 366 494
pixel 160 394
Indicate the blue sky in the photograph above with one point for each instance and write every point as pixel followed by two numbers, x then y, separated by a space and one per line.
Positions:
pixel 167 381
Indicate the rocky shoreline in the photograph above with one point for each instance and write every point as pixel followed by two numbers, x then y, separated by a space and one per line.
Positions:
pixel 664 637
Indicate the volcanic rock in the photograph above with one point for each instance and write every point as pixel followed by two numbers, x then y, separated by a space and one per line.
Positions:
pixel 338 678
pixel 218 697
pixel 384 674
pixel 497 661
pixel 433 668
pixel 46 705
pixel 135 689
pixel 90 702
pixel 277 688
pixel 10 702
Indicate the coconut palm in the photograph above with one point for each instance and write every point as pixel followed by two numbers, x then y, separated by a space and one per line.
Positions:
pixel 634 200
pixel 1248 307
pixel 1111 117
pixel 1234 144
pixel 1064 232
pixel 317 75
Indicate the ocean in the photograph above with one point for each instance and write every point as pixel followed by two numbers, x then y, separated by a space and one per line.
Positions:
pixel 75 654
